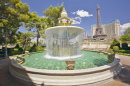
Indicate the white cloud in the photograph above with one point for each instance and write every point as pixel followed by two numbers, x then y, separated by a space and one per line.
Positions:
pixel 73 13
pixel 76 20
pixel 124 27
pixel 43 16
pixel 82 13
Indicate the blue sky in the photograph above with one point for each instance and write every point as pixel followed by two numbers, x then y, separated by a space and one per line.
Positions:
pixel 84 13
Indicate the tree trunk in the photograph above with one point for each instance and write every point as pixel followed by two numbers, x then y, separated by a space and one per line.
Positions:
pixel 37 37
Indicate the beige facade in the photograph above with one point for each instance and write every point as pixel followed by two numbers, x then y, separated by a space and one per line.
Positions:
pixel 112 30
pixel 64 17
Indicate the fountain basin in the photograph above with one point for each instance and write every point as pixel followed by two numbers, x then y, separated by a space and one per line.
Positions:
pixel 91 59
pixel 91 76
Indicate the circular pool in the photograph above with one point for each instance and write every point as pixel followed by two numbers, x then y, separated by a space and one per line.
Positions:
pixel 89 60
pixel 37 70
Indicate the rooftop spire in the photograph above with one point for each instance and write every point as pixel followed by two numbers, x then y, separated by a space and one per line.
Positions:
pixel 98 17
pixel 98 6
pixel 63 13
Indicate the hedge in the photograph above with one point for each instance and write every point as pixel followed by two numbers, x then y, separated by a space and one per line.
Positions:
pixel 18 50
pixel 124 51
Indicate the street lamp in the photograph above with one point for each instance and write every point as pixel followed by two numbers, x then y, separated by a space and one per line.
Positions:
pixel 6 54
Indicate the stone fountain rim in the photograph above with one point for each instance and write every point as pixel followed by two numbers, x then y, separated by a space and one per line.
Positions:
pixel 64 26
pixel 67 72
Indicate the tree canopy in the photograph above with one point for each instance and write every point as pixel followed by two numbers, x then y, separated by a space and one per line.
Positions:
pixel 12 15
pixel 53 13
pixel 24 39
pixel 114 43
pixel 126 36
pixel 36 24
pixel 127 31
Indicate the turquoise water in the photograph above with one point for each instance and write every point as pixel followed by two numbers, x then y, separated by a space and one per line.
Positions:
pixel 91 59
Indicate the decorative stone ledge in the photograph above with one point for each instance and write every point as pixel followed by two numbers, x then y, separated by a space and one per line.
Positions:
pixel 91 76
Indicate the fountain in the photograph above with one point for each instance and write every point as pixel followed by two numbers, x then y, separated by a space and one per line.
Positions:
pixel 63 42
pixel 63 63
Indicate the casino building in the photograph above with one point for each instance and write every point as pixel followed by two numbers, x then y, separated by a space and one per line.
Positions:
pixel 104 32
pixel 112 30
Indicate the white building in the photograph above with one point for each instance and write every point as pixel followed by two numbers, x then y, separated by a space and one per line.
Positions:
pixel 112 30
pixel 85 35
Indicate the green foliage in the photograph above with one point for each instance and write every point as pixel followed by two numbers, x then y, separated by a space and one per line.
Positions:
pixel 124 51
pixel 36 24
pixel 115 48
pixel 127 31
pixel 125 37
pixel 40 48
pixel 110 51
pixel 11 51
pixel 17 46
pixel 36 48
pixel 24 39
pixel 33 48
pixel 11 11
pixel 124 54
pixel 124 46
pixel 114 43
pixel 53 13
pixel 12 15
pixel 18 50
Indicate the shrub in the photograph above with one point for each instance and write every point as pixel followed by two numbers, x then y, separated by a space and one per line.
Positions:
pixel 36 48
pixel 33 48
pixel 124 46
pixel 40 48
pixel 115 43
pixel 15 51
pixel 17 46
pixel 110 51
pixel 124 51
pixel 115 48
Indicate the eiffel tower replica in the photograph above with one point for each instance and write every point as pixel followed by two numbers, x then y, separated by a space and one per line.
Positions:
pixel 99 35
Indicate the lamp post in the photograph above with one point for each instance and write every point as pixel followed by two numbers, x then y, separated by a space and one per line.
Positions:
pixel 6 54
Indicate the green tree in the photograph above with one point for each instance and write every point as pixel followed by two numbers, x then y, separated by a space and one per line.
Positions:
pixel 53 13
pixel 114 43
pixel 126 36
pixel 36 24
pixel 124 46
pixel 12 15
pixel 127 31
pixel 24 39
